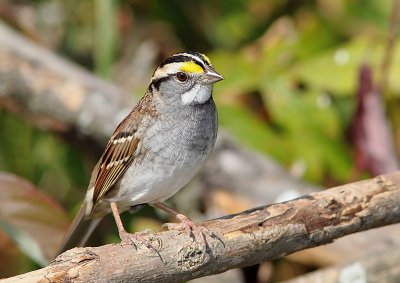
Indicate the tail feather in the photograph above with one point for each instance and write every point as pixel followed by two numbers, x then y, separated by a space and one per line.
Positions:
pixel 79 231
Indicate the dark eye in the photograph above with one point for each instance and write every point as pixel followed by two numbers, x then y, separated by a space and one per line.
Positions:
pixel 181 76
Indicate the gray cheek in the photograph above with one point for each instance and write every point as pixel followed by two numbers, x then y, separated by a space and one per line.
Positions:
pixel 173 90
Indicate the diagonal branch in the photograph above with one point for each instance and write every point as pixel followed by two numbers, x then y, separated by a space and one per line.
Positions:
pixel 247 238
pixel 54 93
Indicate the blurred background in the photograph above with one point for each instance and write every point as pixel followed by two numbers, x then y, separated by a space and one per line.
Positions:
pixel 311 95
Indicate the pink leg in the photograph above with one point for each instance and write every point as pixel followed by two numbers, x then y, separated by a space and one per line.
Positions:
pixel 121 230
pixel 128 238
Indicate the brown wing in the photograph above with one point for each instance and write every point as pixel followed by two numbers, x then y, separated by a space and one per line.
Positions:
pixel 115 160
pixel 120 150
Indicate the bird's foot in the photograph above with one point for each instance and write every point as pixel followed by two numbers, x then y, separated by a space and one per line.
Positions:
pixel 197 232
pixel 137 238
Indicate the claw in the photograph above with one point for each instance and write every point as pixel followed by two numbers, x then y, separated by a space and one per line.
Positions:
pixel 133 239
pixel 197 232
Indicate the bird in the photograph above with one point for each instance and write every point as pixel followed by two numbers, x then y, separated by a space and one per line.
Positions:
pixel 155 150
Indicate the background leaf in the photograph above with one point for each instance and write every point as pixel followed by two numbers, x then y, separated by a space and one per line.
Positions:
pixel 29 216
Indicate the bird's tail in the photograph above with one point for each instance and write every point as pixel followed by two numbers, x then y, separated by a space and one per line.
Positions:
pixel 79 231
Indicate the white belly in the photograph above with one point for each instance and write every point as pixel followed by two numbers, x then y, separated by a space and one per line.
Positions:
pixel 157 181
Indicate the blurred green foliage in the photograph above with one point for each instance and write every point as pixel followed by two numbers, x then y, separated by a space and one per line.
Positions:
pixel 298 60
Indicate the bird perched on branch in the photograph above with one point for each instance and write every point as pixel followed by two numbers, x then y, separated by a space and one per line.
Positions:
pixel 155 150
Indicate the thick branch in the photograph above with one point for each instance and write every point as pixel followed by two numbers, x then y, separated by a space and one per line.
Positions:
pixel 253 236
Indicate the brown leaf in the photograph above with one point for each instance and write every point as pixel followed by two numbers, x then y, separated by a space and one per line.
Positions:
pixel 30 217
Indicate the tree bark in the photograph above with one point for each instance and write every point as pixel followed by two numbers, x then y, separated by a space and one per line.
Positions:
pixel 256 235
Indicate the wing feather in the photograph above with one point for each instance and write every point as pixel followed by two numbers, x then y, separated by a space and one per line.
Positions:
pixel 116 159
pixel 121 149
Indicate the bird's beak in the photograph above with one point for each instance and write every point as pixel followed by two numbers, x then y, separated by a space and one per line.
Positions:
pixel 212 76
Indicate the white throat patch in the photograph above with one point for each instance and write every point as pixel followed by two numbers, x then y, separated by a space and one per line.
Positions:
pixel 199 93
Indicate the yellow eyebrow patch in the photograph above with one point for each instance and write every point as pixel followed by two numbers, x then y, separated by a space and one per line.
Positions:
pixel 206 59
pixel 191 67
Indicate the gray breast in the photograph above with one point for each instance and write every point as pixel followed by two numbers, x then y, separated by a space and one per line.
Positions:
pixel 188 132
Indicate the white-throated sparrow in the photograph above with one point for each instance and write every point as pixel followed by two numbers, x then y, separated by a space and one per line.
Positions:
pixel 156 149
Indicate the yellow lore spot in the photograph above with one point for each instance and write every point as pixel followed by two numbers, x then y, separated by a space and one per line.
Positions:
pixel 191 67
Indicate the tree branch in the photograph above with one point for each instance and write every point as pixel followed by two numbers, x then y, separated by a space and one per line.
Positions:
pixel 247 238
pixel 54 93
